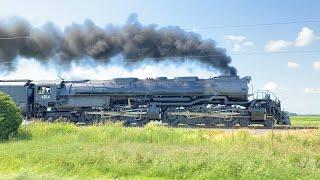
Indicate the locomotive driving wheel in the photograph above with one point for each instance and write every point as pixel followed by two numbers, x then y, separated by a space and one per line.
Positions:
pixel 170 118
pixel 230 122
pixel 269 123
pixel 212 121
pixel 132 120
pixel 244 122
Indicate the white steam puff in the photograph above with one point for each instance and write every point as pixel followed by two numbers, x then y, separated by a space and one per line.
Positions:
pixel 32 69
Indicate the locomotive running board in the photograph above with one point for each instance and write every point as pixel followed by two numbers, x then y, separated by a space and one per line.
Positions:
pixel 129 113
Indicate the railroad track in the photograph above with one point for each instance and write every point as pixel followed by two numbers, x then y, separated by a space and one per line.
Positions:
pixel 282 127
pixel 252 127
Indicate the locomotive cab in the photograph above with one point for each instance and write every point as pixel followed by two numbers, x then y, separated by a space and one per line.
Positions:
pixel 45 94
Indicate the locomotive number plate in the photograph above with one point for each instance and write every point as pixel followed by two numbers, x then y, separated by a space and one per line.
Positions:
pixel 45 97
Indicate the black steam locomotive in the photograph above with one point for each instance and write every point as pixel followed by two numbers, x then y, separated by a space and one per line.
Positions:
pixel 182 100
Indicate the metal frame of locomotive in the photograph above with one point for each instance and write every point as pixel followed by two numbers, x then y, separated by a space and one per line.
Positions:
pixel 182 100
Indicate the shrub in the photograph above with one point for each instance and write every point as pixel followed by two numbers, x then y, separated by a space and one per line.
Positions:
pixel 10 118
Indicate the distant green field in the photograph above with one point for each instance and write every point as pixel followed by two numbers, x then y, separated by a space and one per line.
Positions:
pixel 305 120
pixel 55 151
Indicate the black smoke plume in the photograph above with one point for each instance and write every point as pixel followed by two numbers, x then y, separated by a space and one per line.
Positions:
pixel 135 42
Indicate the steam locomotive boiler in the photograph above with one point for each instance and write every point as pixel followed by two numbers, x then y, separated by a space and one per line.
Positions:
pixel 182 100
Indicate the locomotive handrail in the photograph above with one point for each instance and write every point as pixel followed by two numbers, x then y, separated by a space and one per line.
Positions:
pixel 266 93
pixel 16 80
pixel 76 81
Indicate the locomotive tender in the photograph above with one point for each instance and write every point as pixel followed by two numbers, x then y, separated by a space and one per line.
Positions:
pixel 182 100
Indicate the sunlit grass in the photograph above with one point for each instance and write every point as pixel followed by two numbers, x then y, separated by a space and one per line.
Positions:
pixel 305 120
pixel 54 151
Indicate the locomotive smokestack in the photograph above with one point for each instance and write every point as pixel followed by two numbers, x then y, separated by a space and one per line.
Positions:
pixel 135 42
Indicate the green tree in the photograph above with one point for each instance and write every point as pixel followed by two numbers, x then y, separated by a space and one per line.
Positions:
pixel 10 118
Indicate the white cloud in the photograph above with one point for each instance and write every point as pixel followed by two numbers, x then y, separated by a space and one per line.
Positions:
pixel 236 47
pixel 312 90
pixel 248 44
pixel 240 43
pixel 276 45
pixel 195 29
pixel 293 65
pixel 316 65
pixel 305 37
pixel 272 86
pixel 238 39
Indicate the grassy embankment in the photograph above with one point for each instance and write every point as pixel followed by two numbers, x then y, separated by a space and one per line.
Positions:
pixel 52 151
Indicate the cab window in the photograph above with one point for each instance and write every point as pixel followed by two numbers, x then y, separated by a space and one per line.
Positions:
pixel 44 90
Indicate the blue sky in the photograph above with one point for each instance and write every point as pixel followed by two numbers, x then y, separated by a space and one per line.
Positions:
pixel 294 77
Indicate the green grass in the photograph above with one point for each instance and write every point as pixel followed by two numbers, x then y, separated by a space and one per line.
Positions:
pixel 305 120
pixel 55 151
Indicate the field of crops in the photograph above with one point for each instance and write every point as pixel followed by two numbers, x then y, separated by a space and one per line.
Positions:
pixel 305 120
pixel 54 151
